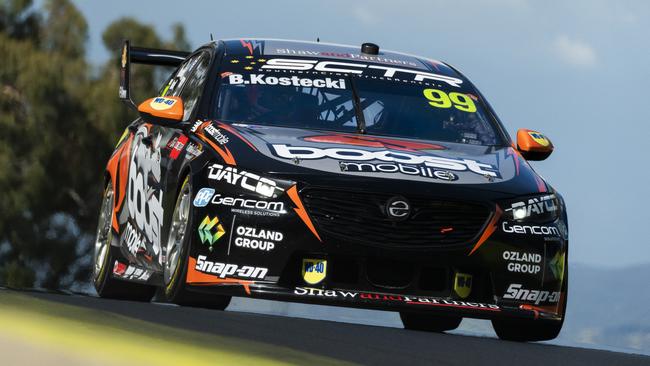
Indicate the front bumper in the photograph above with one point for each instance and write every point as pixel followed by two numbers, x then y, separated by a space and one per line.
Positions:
pixel 260 254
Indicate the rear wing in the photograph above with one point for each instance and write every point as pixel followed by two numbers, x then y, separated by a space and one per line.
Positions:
pixel 147 56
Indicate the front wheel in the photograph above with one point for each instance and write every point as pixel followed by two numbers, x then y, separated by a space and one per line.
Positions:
pixel 177 252
pixel 429 322
pixel 104 259
pixel 525 330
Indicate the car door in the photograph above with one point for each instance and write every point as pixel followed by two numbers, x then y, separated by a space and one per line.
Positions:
pixel 154 166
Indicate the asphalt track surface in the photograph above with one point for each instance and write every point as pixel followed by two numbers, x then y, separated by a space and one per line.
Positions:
pixel 361 344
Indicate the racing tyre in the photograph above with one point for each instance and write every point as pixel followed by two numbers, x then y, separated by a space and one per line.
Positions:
pixel 177 252
pixel 428 322
pixel 104 259
pixel 524 330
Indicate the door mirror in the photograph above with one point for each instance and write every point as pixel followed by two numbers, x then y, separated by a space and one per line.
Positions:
pixel 165 111
pixel 533 145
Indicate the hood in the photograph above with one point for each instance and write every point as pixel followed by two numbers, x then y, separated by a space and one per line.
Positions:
pixel 347 155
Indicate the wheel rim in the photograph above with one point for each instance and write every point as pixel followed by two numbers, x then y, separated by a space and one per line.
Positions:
pixel 104 233
pixel 177 233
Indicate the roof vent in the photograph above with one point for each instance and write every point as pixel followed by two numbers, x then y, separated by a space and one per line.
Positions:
pixel 370 48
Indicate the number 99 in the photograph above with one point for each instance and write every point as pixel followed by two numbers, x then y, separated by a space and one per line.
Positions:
pixel 463 102
pixel 437 98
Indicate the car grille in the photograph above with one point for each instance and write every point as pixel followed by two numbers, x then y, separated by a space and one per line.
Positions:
pixel 359 217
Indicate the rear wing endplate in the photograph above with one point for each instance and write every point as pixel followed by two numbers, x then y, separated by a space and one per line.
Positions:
pixel 147 56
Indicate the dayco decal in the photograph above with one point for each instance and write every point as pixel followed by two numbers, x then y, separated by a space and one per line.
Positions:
pixel 515 292
pixel 261 79
pixel 356 68
pixel 536 206
pixel 259 239
pixel 530 229
pixel 305 152
pixel 224 270
pixel 523 262
pixel 420 170
pixel 246 180
pixel 144 195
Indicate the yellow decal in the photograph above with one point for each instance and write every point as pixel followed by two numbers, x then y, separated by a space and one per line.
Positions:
pixel 124 57
pixel 314 271
pixel 463 284
pixel 539 138
pixel 164 92
pixel 162 103
pixel 440 99
pixel 557 265
pixel 124 134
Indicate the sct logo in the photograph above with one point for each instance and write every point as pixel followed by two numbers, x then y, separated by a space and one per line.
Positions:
pixel 357 68
pixel 205 231
pixel 203 197
pixel 314 270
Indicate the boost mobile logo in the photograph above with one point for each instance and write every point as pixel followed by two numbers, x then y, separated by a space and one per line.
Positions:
pixel 304 152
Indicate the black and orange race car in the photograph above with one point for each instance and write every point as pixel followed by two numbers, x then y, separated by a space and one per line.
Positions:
pixel 331 174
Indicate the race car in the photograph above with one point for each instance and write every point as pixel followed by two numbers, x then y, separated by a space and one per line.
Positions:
pixel 331 174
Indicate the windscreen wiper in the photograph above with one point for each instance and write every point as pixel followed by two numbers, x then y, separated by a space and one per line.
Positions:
pixel 358 111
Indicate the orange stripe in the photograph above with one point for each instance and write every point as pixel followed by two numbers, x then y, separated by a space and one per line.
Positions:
pixel 236 133
pixel 125 160
pixel 119 160
pixel 492 226
pixel 300 210
pixel 225 154
pixel 198 278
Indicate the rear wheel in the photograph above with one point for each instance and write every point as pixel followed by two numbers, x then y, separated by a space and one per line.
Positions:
pixel 104 259
pixel 429 322
pixel 525 330
pixel 177 252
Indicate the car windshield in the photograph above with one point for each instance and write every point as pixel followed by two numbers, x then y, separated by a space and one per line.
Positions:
pixel 430 110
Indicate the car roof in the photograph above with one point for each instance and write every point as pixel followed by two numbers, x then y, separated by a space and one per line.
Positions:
pixel 282 48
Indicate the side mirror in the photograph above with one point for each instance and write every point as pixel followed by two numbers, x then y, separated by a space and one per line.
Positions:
pixel 533 145
pixel 165 111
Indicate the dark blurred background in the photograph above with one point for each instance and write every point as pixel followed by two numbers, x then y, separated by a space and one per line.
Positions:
pixel 59 120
